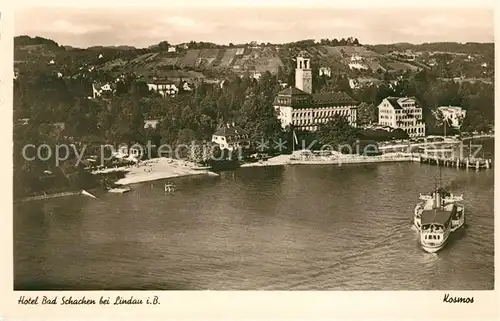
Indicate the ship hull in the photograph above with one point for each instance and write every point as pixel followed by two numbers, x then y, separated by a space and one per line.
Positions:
pixel 433 248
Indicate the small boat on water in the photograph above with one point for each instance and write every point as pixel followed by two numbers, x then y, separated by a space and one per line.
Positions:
pixel 201 168
pixel 436 217
pixel 119 190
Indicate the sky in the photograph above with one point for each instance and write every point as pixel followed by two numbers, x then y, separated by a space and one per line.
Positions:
pixel 145 26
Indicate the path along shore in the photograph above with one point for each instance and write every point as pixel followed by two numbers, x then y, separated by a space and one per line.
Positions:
pixel 334 160
pixel 163 168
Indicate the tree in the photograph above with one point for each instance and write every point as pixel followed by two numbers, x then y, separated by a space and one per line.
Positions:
pixel 337 132
pixel 367 113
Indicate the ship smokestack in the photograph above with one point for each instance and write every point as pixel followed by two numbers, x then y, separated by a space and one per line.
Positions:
pixel 437 199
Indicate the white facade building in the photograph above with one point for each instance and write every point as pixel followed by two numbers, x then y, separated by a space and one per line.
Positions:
pixel 356 58
pixel 358 65
pixel 305 110
pixel 325 71
pixel 163 87
pixel 454 115
pixel 230 137
pixel 151 123
pixel 99 89
pixel 402 112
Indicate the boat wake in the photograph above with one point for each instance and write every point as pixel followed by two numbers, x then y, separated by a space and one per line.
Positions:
pixel 428 257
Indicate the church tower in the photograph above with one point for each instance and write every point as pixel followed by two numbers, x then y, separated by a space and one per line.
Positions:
pixel 303 75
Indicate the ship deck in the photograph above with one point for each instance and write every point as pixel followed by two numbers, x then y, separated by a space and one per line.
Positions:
pixel 436 216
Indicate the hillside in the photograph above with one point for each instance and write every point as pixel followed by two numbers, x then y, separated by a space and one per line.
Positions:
pixel 354 60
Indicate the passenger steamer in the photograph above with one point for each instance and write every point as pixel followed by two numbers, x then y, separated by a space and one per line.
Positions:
pixel 436 217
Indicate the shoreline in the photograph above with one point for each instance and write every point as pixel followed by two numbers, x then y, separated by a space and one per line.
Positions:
pixel 159 168
pixel 383 147
pixel 46 196
pixel 479 136
pixel 283 160
pixel 165 168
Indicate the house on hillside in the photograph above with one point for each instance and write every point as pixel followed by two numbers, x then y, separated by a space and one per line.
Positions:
pixel 186 86
pixel 452 114
pixel 163 87
pixel 358 66
pixel 357 83
pixel 325 71
pixel 51 62
pixel 231 137
pixel 356 62
pixel 354 83
pixel 151 123
pixel 404 113
pixel 99 90
pixel 22 121
pixel 356 58
pixel 255 75
pixel 172 49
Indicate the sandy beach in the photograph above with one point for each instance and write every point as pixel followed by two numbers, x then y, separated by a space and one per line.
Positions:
pixel 158 168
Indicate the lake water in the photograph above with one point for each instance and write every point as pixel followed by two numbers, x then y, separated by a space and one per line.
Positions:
pixel 277 228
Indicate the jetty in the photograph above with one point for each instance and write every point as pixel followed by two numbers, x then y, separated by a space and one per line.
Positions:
pixel 46 196
pixel 458 162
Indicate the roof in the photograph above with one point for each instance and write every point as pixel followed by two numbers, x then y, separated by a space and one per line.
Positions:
pixel 436 216
pixel 303 54
pixel 333 97
pixel 161 82
pixel 292 91
pixel 301 99
pixel 229 130
pixel 365 104
pixel 454 108
pixel 394 101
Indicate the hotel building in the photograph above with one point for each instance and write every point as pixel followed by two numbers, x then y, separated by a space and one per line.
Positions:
pixel 304 110
pixel 402 112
